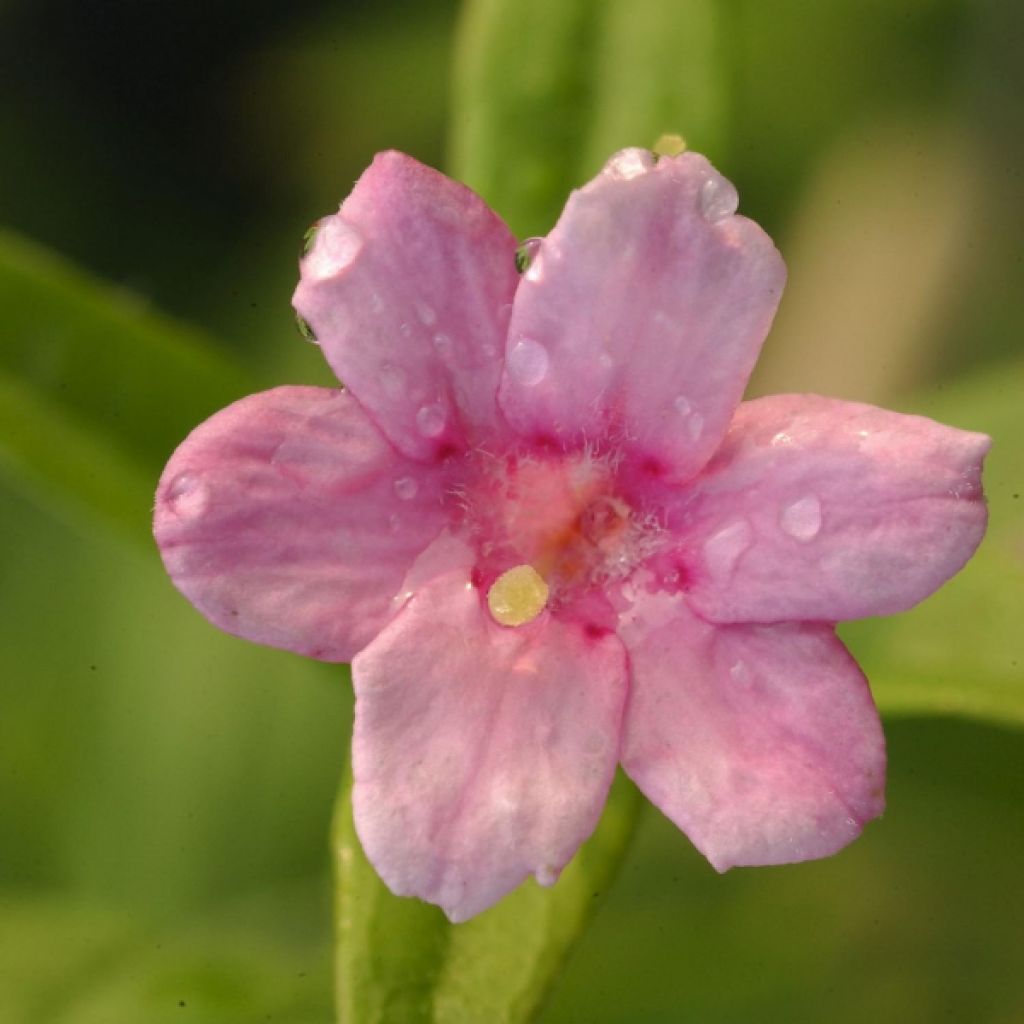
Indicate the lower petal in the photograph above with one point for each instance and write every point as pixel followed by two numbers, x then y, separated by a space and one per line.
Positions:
pixel 481 754
pixel 761 743
pixel 289 520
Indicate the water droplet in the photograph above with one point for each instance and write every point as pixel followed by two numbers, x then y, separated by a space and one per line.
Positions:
pixel 740 672
pixel 430 419
pixel 334 247
pixel 188 496
pixel 630 163
pixel 426 314
pixel 682 405
pixel 546 874
pixel 395 523
pixel 695 425
pixel 526 252
pixel 394 380
pixel 443 344
pixel 780 439
pixel 528 362
pixel 406 488
pixel 723 549
pixel 304 329
pixel 801 519
pixel 717 198
pixel 405 330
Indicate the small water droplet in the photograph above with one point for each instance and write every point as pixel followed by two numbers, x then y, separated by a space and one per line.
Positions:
pixel 188 496
pixel 430 419
pixel 405 330
pixel 605 360
pixel 723 549
pixel 443 344
pixel 717 199
pixel 801 519
pixel 630 163
pixel 394 380
pixel 740 671
pixel 528 362
pixel 406 488
pixel 546 874
pixel 781 439
pixel 395 523
pixel 304 329
pixel 334 246
pixel 526 252
pixel 426 314
pixel 695 425
pixel 682 405
pixel 376 302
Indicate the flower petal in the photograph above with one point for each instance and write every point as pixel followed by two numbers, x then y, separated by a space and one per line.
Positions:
pixel 408 290
pixel 480 753
pixel 641 316
pixel 817 509
pixel 289 520
pixel 760 742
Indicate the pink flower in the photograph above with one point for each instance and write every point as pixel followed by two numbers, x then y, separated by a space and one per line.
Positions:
pixel 551 540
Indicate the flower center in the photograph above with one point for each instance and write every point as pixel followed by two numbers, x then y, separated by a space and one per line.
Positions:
pixel 517 596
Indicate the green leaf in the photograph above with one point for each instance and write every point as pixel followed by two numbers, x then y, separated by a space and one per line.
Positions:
pixel 962 651
pixel 95 390
pixel 545 92
pixel 401 960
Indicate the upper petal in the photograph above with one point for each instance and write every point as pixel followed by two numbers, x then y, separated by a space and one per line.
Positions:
pixel 408 290
pixel 288 519
pixel 760 742
pixel 817 509
pixel 480 753
pixel 642 315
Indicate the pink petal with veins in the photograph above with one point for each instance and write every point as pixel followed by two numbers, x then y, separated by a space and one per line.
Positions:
pixel 408 289
pixel 760 742
pixel 642 314
pixel 289 520
pixel 481 754
pixel 818 509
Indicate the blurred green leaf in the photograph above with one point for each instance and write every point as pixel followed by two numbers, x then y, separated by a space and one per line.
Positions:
pixel 95 390
pixel 544 93
pixel 962 651
pixel 400 959
pixel 67 963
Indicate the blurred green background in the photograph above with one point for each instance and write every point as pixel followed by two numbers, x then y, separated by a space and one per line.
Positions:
pixel 165 791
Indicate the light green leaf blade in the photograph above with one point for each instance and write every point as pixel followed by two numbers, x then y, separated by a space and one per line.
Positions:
pixel 545 92
pixel 400 959
pixel 95 390
pixel 961 652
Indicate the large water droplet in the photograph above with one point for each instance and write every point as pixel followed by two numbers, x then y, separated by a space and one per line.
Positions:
pixel 630 163
pixel 723 549
pixel 406 488
pixel 801 519
pixel 188 496
pixel 528 362
pixel 426 314
pixel 717 199
pixel 335 245
pixel 430 419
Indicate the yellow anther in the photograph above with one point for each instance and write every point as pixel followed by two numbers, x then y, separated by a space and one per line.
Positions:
pixel 517 596
pixel 669 144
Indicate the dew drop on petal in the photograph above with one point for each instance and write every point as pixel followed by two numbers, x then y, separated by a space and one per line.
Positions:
pixel 528 362
pixel 546 875
pixel 740 671
pixel 188 496
pixel 801 519
pixel 682 404
pixel 335 245
pixel 630 163
pixel 426 314
pixel 717 199
pixel 443 345
pixel 695 425
pixel 723 549
pixel 406 488
pixel 430 419
pixel 527 252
